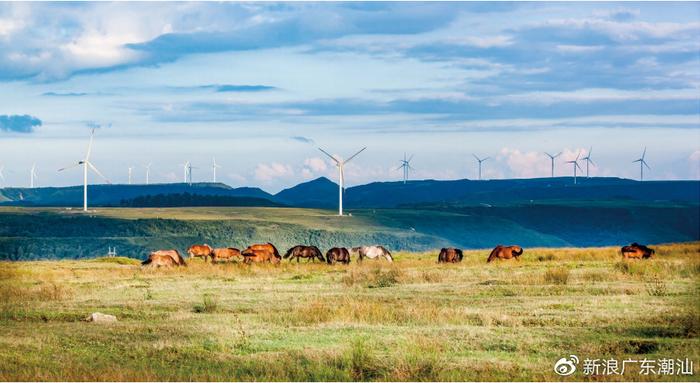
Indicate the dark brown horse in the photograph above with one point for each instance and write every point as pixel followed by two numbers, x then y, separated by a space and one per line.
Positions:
pixel 338 254
pixel 505 252
pixel 257 253
pixel 450 255
pixel 311 253
pixel 637 251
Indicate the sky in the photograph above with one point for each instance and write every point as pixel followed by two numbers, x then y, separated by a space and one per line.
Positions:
pixel 259 86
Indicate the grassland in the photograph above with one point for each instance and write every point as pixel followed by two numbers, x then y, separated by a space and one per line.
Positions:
pixel 411 320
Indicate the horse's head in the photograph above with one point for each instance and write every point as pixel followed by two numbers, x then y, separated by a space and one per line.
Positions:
pixel 356 249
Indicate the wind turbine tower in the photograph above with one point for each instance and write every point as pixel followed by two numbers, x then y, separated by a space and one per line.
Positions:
pixel 575 165
pixel 214 166
pixel 33 176
pixel 131 168
pixel 148 172
pixel 588 160
pixel 2 176
pixel 553 157
pixel 406 166
pixel 186 171
pixel 340 163
pixel 86 163
pixel 642 164
pixel 480 160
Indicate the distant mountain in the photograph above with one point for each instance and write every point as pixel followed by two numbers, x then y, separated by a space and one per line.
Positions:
pixel 323 193
pixel 113 195
pixel 320 192
pixel 188 200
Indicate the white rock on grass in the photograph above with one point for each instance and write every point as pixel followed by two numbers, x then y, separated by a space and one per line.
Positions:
pixel 101 318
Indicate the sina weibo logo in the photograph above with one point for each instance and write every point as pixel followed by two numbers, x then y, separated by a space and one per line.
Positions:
pixel 566 366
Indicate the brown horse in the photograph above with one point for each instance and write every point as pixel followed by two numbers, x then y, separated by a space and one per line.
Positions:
pixel 338 254
pixel 164 258
pixel 505 252
pixel 311 253
pixel 261 253
pixel 636 251
pixel 200 251
pixel 225 254
pixel 450 255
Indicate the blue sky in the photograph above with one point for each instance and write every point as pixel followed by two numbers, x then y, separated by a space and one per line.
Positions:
pixel 260 85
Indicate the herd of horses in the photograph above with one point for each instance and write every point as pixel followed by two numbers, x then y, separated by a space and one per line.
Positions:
pixel 267 253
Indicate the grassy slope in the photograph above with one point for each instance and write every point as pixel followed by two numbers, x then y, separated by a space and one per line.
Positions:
pixel 40 233
pixel 413 320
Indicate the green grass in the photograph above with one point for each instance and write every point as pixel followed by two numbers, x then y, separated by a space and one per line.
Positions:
pixel 411 320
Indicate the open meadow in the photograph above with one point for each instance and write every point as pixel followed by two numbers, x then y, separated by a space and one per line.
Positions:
pixel 410 320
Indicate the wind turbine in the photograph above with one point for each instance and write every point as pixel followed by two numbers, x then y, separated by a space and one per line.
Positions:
pixel 130 169
pixel 575 163
pixel 214 166
pixel 642 164
pixel 86 163
pixel 552 157
pixel 480 160
pixel 588 160
pixel 33 176
pixel 148 172
pixel 340 163
pixel 406 165
pixel 186 167
pixel 2 176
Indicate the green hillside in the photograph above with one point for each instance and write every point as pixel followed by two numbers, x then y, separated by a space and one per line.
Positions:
pixel 38 233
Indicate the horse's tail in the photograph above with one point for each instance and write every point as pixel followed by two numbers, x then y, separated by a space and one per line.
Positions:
pixel 146 262
pixel 493 256
pixel 289 252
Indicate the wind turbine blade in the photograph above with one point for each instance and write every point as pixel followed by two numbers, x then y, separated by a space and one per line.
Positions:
pixel 558 154
pixel 590 151
pixel 69 167
pixel 487 158
pixel 410 158
pixel 645 164
pixel 92 134
pixel 591 161
pixel 331 157
pixel 644 152
pixel 476 158
pixel 398 168
pixel 579 167
pixel 98 172
pixel 639 160
pixel 354 155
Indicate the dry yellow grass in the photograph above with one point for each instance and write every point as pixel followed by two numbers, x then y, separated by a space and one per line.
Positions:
pixel 410 320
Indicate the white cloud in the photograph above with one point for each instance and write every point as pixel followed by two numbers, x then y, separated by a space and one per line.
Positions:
pixel 315 164
pixel 269 172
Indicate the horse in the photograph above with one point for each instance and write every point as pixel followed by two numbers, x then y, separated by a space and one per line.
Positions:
pixel 164 258
pixel 200 251
pixel 308 252
pixel 636 251
pixel 372 252
pixel 225 254
pixel 338 254
pixel 505 252
pixel 261 253
pixel 450 255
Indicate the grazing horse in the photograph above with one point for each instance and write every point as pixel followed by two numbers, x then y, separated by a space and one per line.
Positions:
pixel 225 254
pixel 338 254
pixel 201 251
pixel 372 252
pixel 636 251
pixel 450 255
pixel 261 253
pixel 505 252
pixel 164 258
pixel 308 252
